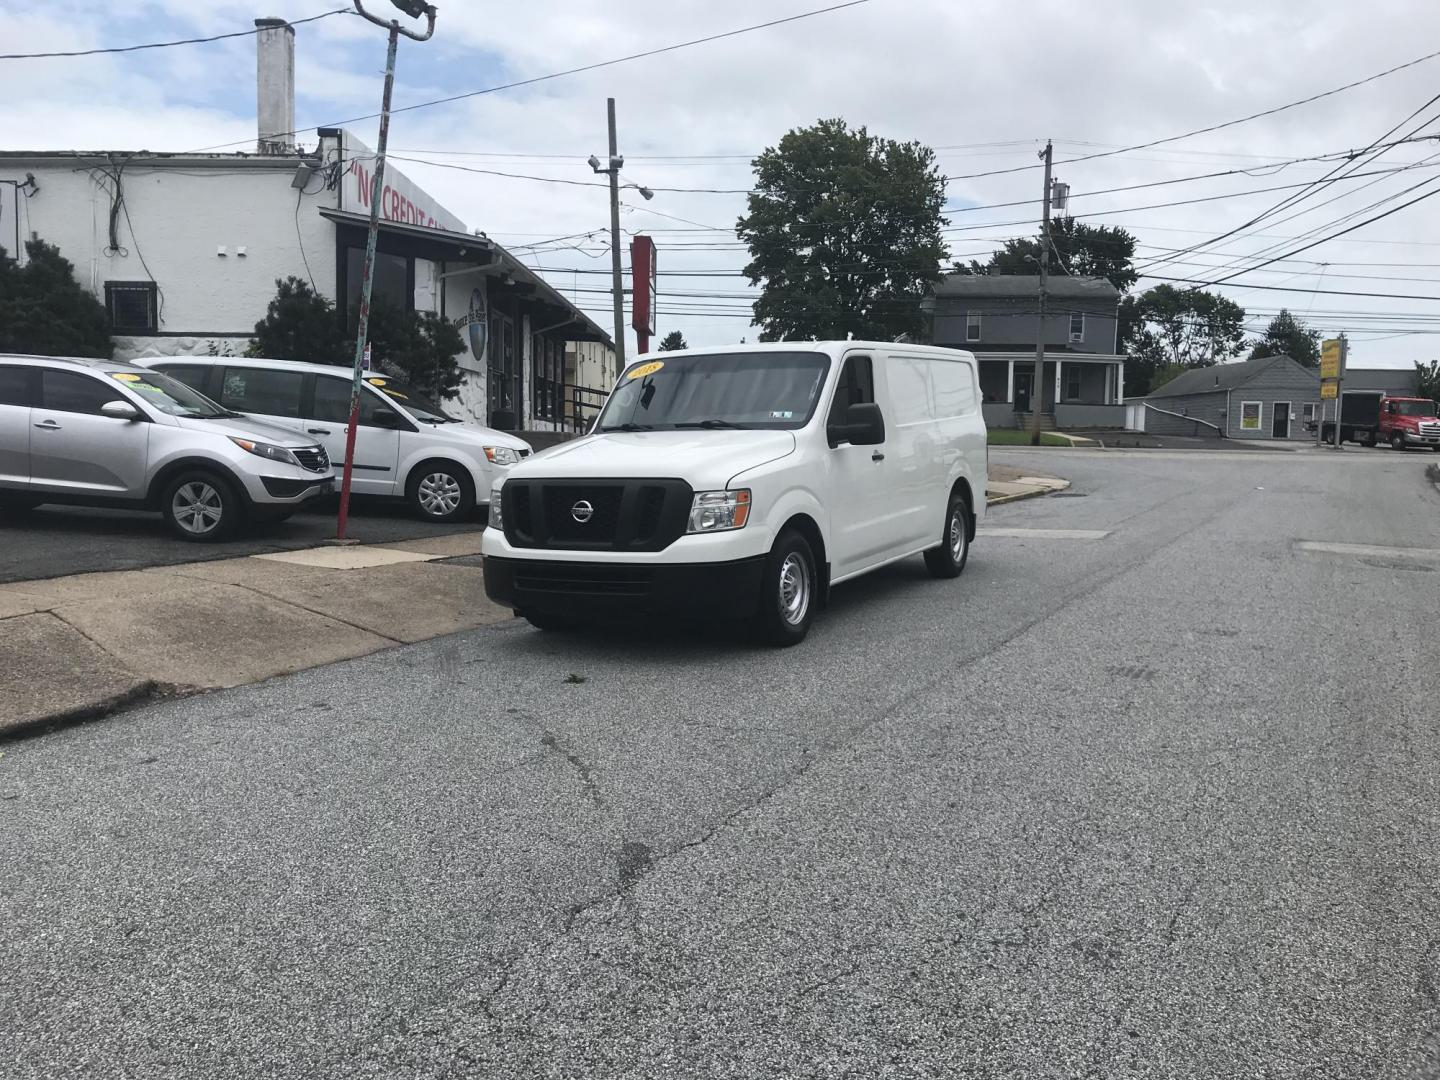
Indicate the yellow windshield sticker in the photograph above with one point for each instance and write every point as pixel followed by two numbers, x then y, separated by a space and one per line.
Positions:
pixel 394 393
pixel 376 382
pixel 125 376
pixel 645 369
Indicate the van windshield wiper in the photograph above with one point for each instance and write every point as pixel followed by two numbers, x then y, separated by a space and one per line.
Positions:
pixel 628 427
pixel 726 424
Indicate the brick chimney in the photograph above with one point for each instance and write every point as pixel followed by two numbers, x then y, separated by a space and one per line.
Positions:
pixel 275 86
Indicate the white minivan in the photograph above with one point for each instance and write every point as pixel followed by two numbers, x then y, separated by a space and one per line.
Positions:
pixel 406 446
pixel 743 482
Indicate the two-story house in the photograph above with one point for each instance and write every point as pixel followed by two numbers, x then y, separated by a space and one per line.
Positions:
pixel 997 318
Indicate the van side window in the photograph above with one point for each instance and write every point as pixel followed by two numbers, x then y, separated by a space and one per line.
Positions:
pixel 261 390
pixel 332 402
pixel 855 387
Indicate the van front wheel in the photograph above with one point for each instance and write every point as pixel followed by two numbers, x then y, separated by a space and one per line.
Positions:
pixel 787 592
pixel 948 558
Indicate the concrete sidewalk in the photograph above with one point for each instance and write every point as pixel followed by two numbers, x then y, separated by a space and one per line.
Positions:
pixel 82 646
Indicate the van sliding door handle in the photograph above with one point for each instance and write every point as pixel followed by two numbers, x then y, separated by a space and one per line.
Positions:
pixel 877 456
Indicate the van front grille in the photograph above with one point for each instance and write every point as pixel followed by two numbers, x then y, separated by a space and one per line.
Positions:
pixel 596 515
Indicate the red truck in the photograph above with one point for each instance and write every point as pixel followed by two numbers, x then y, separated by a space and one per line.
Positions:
pixel 1369 417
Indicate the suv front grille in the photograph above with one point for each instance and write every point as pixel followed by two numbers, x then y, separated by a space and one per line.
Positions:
pixel 596 515
pixel 313 458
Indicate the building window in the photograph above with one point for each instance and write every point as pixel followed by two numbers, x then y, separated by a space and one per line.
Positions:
pixel 1309 413
pixel 1072 382
pixel 1077 326
pixel 972 327
pixel 393 284
pixel 131 306
pixel 1250 415
pixel 548 360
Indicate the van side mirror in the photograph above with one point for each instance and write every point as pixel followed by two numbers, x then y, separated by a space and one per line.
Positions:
pixel 864 426
pixel 120 410
pixel 386 418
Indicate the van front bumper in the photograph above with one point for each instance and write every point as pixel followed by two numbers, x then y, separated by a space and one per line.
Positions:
pixel 619 590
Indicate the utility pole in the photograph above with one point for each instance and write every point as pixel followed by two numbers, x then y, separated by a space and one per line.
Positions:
pixel 1340 386
pixel 1037 389
pixel 617 281
pixel 415 9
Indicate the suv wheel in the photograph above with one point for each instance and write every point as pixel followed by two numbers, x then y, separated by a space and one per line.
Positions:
pixel 948 559
pixel 201 507
pixel 441 491
pixel 788 592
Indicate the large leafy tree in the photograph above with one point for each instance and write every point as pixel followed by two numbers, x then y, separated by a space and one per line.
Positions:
pixel 1178 328
pixel 1106 251
pixel 1427 380
pixel 300 324
pixel 44 310
pixel 1288 336
pixel 844 234
pixel 672 341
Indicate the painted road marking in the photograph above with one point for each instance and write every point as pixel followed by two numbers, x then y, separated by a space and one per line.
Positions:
pixel 1370 551
pixel 1045 534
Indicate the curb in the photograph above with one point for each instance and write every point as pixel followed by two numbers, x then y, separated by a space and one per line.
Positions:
pixel 141 693
pixel 1001 500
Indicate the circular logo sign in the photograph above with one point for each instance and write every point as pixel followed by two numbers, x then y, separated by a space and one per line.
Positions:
pixel 582 512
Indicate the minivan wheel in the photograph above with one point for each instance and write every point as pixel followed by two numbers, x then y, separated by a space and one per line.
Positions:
pixel 787 592
pixel 201 507
pixel 442 492
pixel 948 559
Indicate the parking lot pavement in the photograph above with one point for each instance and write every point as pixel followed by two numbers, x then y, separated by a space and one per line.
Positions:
pixel 1107 806
pixel 56 540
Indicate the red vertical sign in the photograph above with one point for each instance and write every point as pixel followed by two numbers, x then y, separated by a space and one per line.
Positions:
pixel 642 290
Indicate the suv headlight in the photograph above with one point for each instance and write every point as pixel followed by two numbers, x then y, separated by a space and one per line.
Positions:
pixel 497 517
pixel 502 455
pixel 717 511
pixel 266 450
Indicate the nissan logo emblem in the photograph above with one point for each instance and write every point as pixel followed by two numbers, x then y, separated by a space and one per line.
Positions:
pixel 582 512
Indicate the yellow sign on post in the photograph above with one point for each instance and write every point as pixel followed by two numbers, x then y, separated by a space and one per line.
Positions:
pixel 1328 388
pixel 1330 360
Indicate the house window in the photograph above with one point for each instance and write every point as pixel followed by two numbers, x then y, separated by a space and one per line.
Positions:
pixel 1077 326
pixel 972 327
pixel 1072 382
pixel 1309 413
pixel 392 284
pixel 549 381
pixel 1250 415
pixel 131 306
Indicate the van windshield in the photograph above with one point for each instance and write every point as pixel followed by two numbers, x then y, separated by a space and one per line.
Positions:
pixel 718 390
pixel 1415 408
pixel 415 402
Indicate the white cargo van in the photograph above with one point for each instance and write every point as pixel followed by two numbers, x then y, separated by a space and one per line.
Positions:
pixel 742 483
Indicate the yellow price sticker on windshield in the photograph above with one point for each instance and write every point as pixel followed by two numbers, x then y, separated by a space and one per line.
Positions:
pixel 125 376
pixel 376 382
pixel 645 369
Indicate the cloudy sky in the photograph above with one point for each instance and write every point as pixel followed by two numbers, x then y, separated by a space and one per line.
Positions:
pixel 985 82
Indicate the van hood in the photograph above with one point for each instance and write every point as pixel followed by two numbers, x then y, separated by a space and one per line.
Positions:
pixel 473 437
pixel 706 460
pixel 245 427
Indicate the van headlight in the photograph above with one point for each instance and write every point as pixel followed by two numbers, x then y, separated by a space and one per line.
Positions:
pixel 717 511
pixel 497 516
pixel 502 455
pixel 266 450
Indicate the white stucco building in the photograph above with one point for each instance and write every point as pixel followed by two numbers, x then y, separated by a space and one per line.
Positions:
pixel 185 251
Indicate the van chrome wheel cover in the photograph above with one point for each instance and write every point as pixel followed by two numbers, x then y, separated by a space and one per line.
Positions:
pixel 198 507
pixel 794 588
pixel 957 536
pixel 439 494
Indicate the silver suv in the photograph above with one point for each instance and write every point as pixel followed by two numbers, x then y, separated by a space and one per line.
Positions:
pixel 99 433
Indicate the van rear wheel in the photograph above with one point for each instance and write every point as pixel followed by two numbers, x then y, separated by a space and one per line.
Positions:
pixel 787 592
pixel 948 558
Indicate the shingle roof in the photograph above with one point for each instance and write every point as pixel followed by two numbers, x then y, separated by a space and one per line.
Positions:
pixel 1208 380
pixel 1025 286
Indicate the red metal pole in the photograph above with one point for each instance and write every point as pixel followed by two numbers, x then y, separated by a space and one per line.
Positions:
pixel 366 283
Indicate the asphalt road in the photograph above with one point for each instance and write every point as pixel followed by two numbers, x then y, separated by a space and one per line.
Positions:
pixel 53 541
pixel 1159 803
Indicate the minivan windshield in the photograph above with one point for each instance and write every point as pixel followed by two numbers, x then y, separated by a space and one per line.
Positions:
pixel 1415 408
pixel 717 390
pixel 169 395
pixel 416 403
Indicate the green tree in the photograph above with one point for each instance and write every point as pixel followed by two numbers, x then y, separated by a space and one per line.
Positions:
pixel 1083 250
pixel 44 310
pixel 844 234
pixel 1427 380
pixel 1288 336
pixel 1187 328
pixel 300 325
pixel 672 341
pixel 419 346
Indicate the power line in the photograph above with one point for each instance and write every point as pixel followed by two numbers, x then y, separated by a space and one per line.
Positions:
pixel 568 71
pixel 170 44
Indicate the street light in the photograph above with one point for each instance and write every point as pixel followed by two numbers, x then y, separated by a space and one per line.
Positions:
pixel 614 162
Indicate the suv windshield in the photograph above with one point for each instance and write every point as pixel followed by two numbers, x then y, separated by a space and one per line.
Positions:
pixel 168 395
pixel 1415 408
pixel 415 403
pixel 719 390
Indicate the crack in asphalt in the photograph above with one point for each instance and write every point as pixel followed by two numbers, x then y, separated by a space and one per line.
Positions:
pixel 588 788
